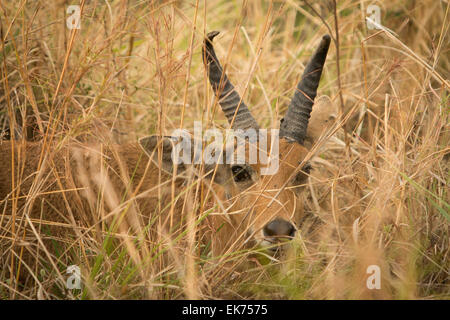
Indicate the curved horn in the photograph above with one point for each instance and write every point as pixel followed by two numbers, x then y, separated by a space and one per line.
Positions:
pixel 294 124
pixel 229 99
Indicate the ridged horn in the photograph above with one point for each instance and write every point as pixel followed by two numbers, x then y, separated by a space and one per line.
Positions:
pixel 294 124
pixel 229 99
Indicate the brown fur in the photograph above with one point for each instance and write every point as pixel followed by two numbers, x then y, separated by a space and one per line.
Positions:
pixel 80 188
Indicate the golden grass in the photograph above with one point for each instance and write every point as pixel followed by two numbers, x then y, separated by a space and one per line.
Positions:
pixel 378 194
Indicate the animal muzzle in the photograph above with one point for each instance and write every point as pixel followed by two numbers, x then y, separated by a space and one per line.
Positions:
pixel 276 232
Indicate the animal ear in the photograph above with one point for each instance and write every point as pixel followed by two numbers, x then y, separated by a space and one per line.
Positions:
pixel 323 116
pixel 150 145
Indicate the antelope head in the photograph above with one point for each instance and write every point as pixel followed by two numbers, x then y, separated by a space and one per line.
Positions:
pixel 267 207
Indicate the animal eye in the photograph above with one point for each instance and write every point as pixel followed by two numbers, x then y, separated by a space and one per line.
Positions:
pixel 240 174
pixel 303 174
pixel 307 168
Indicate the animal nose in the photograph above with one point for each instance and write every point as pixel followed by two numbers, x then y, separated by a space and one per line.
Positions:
pixel 279 228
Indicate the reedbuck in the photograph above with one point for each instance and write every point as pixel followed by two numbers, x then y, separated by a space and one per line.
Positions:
pixel 49 189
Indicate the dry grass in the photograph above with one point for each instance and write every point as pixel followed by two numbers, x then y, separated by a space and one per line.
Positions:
pixel 379 189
